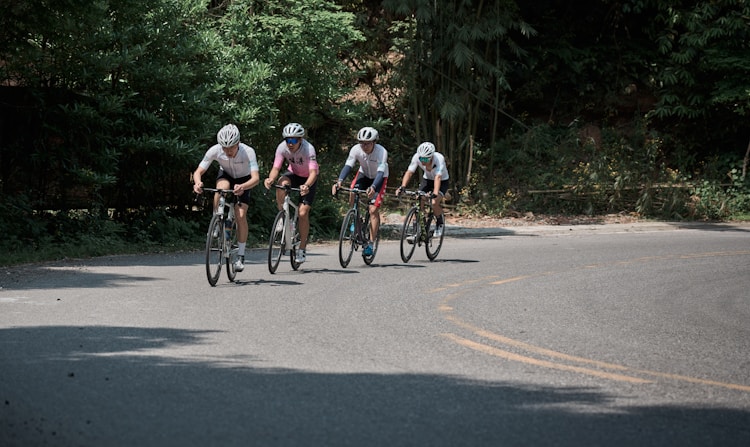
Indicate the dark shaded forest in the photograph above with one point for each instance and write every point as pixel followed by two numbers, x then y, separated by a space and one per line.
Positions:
pixel 590 107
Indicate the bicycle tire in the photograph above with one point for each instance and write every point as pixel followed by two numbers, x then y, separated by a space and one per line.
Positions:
pixel 366 239
pixel 432 245
pixel 276 243
pixel 214 250
pixel 231 256
pixel 347 238
pixel 293 248
pixel 410 229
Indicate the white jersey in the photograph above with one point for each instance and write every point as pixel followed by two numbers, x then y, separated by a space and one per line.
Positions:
pixel 241 165
pixel 369 164
pixel 438 166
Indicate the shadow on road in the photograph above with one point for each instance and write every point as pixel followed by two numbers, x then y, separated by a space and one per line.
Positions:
pixel 97 385
pixel 710 226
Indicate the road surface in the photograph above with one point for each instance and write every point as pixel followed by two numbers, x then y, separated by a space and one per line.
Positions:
pixel 567 336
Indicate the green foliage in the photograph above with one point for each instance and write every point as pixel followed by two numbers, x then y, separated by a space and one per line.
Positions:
pixel 551 169
pixel 106 107
pixel 282 63
pixel 456 59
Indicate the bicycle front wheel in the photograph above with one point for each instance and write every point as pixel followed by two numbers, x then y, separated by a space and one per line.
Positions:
pixel 231 255
pixel 433 244
pixel 410 234
pixel 276 242
pixel 347 238
pixel 366 239
pixel 293 248
pixel 214 249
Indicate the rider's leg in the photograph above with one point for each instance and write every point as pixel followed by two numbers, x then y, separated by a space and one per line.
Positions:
pixel 221 183
pixel 304 225
pixel 280 193
pixel 437 209
pixel 240 210
pixel 374 222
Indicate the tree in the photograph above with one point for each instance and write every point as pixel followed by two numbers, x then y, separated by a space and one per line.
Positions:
pixel 702 72
pixel 122 94
pixel 283 62
pixel 458 55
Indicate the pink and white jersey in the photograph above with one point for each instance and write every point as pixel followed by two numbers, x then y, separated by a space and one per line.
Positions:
pixel 438 166
pixel 301 162
pixel 240 166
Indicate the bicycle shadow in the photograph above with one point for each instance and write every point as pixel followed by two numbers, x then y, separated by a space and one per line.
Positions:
pixel 259 282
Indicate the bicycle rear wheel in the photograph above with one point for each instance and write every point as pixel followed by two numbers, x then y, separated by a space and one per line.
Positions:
pixel 347 238
pixel 433 244
pixel 276 243
pixel 366 239
pixel 231 255
pixel 410 231
pixel 214 249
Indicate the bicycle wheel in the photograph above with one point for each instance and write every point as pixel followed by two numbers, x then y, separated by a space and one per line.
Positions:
pixel 347 238
pixel 432 244
pixel 293 248
pixel 231 255
pixel 410 230
pixel 276 243
pixel 214 249
pixel 366 238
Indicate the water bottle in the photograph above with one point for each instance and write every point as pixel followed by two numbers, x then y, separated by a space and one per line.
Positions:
pixel 293 227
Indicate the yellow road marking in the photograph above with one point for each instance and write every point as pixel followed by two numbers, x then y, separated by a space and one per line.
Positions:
pixel 543 363
pixel 531 348
pixel 446 309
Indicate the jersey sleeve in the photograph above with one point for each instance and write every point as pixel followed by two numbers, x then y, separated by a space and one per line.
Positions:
pixel 208 158
pixel 414 164
pixel 312 162
pixel 278 159
pixel 253 159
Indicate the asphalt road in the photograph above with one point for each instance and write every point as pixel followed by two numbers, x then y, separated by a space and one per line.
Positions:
pixel 617 335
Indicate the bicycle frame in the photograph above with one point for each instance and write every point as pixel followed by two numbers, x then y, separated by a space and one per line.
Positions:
pixel 289 239
pixel 417 228
pixel 349 240
pixel 220 240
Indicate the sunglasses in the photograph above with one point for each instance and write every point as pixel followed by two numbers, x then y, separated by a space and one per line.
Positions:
pixel 292 140
pixel 425 159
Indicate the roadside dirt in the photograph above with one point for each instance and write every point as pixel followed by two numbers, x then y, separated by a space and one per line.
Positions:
pixel 527 219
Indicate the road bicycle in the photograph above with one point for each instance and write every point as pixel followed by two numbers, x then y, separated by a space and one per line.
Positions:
pixel 287 238
pixel 221 239
pixel 419 227
pixel 355 229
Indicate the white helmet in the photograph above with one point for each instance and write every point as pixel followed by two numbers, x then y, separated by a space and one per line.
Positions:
pixel 425 150
pixel 228 135
pixel 293 130
pixel 367 134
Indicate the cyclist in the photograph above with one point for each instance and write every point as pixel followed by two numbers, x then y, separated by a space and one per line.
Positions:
pixel 238 170
pixel 372 176
pixel 302 173
pixel 434 180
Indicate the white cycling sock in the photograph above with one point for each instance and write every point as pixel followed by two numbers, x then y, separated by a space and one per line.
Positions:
pixel 241 248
